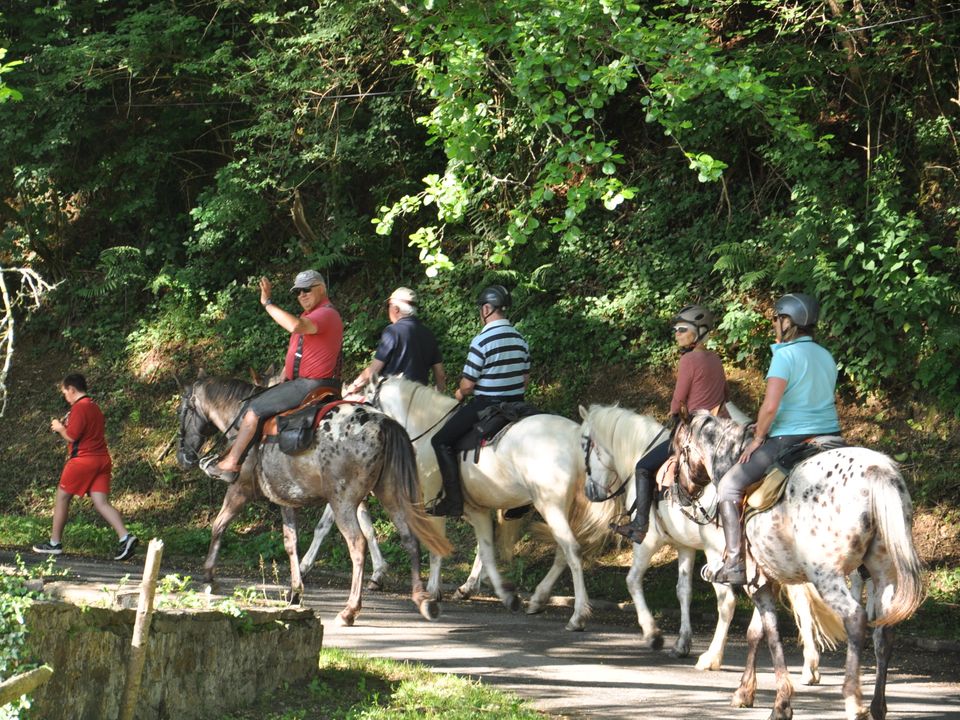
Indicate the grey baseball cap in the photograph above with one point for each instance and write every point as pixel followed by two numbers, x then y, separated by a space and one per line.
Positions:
pixel 307 279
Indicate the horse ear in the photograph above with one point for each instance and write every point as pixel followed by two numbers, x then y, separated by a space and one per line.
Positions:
pixel 583 412
pixel 201 373
pixel 684 415
pixel 270 371
pixel 255 377
pixel 179 383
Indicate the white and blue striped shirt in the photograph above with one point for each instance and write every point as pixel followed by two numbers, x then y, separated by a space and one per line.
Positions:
pixel 498 360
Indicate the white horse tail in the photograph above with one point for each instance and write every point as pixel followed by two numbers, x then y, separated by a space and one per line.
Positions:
pixel 400 473
pixel 827 627
pixel 893 516
pixel 590 522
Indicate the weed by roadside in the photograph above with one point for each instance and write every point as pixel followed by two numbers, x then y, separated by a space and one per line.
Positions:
pixel 356 687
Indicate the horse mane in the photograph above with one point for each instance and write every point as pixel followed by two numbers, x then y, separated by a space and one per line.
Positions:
pixel 422 399
pixel 720 439
pixel 223 391
pixel 624 433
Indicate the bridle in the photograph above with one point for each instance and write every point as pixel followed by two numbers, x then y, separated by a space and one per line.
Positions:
pixel 588 444
pixel 189 405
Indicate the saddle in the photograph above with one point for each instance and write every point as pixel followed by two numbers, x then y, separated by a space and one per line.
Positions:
pixel 491 422
pixel 293 430
pixel 771 488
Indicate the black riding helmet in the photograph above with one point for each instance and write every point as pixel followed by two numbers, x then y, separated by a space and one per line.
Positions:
pixel 802 309
pixel 495 295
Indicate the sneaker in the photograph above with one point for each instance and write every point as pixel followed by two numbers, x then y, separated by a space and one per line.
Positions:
pixel 209 466
pixel 49 548
pixel 126 548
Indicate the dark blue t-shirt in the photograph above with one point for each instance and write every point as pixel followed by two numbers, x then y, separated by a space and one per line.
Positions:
pixel 408 347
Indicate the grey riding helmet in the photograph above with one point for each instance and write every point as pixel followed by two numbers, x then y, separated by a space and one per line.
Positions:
pixel 698 316
pixel 496 295
pixel 803 309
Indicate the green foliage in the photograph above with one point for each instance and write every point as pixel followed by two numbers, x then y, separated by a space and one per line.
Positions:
pixel 6 92
pixel 15 598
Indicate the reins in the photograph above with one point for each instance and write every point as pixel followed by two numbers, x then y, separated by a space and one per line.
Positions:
pixel 623 485
pixel 376 403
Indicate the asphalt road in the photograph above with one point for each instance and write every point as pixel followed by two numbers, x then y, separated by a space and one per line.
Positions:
pixel 599 673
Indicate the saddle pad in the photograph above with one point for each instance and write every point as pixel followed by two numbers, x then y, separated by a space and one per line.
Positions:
pixel 491 424
pixel 315 398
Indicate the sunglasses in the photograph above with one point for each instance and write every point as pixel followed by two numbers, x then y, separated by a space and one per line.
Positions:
pixel 302 291
pixel 682 328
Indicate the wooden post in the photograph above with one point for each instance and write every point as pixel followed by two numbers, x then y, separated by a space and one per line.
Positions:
pixel 141 630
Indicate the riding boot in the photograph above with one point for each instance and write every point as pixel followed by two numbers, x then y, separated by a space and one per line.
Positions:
pixel 451 504
pixel 636 530
pixel 734 570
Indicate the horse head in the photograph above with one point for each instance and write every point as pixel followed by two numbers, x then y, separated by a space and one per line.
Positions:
pixel 602 477
pixel 707 446
pixel 195 427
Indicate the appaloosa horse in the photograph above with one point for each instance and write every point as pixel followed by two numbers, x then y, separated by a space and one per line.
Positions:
pixel 841 509
pixel 357 450
pixel 613 440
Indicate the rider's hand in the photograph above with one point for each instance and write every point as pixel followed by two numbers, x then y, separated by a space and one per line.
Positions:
pixel 750 449
pixel 266 289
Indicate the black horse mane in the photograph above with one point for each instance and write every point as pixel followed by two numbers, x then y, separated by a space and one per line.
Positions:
pixel 222 391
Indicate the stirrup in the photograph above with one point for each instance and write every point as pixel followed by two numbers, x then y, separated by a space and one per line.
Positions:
pixel 209 466
pixel 443 507
pixel 734 576
pixel 630 532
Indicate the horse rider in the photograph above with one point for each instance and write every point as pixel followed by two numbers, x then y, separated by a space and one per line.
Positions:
pixel 313 360
pixel 798 404
pixel 701 385
pixel 407 347
pixel 497 370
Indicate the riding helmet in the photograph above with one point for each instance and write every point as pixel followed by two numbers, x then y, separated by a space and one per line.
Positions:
pixel 495 295
pixel 698 316
pixel 803 309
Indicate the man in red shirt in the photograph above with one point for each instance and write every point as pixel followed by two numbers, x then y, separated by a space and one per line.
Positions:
pixel 88 469
pixel 313 361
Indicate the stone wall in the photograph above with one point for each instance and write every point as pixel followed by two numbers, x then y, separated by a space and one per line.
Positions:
pixel 199 664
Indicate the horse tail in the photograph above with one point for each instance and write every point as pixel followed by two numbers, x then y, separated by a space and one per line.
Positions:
pixel 893 516
pixel 399 472
pixel 590 522
pixel 827 627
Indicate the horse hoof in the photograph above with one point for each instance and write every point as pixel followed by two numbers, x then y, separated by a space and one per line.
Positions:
pixel 534 608
pixel 656 641
pixel 461 594
pixel 741 700
pixel 707 663
pixel 344 620
pixel 681 650
pixel 373 585
pixel 294 598
pixel 430 610
pixel 810 677
pixel 575 626
pixel 513 602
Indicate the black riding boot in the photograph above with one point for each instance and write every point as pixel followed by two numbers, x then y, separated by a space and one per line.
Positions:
pixel 451 504
pixel 636 530
pixel 734 571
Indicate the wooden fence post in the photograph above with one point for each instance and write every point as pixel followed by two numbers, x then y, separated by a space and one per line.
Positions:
pixel 141 630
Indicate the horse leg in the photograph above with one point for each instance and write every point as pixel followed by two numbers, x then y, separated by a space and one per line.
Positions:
pixel 483 528
pixel 345 516
pixel 380 566
pixel 765 603
pixel 237 495
pixel 289 516
pixel 880 587
pixel 642 553
pixel 541 595
pixel 744 695
pixel 685 558
pixel 436 562
pixel 803 616
pixel 320 532
pixel 834 591
pixel 470 585
pixel 567 543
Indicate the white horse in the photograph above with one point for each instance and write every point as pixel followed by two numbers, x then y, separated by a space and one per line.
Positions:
pixel 840 510
pixel 613 440
pixel 536 460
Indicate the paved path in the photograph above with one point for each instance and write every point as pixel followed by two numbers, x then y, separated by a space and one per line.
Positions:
pixel 599 673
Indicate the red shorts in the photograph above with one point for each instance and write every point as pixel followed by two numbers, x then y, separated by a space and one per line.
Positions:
pixel 86 474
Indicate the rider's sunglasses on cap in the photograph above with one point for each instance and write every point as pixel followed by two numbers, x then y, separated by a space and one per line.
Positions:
pixel 682 328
